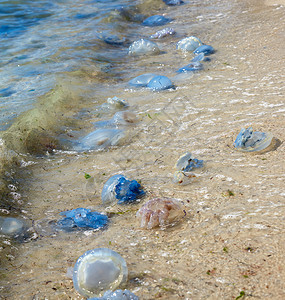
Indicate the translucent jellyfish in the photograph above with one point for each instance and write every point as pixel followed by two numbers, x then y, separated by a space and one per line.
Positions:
pixel 114 103
pixel 192 67
pixel 99 270
pixel 143 47
pixel 100 139
pixel 187 163
pixel 163 33
pixel 200 57
pixel 156 20
pixel 82 218
pixel 173 2
pixel 121 118
pixel 160 212
pixel 206 49
pixel 183 178
pixel 249 141
pixel 142 80
pixel 117 295
pixel 189 44
pixel 121 190
pixel 12 226
pixel 159 83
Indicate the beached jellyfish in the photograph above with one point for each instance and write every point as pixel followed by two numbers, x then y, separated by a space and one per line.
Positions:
pixel 192 67
pixel 121 118
pixel 142 80
pixel 159 83
pixel 81 218
pixel 117 295
pixel 121 190
pixel 12 226
pixel 206 49
pixel 183 178
pixel 143 47
pixel 163 33
pixel 160 212
pixel 156 20
pixel 189 44
pixel 187 163
pixel 200 57
pixel 114 40
pixel 250 141
pixel 98 271
pixel 114 103
pixel 173 2
pixel 100 139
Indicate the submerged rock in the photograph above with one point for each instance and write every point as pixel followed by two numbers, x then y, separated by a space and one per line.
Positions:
pixel 163 33
pixel 192 67
pixel 156 20
pixel 143 47
pixel 142 80
pixel 12 227
pixel 189 44
pixel 98 271
pixel 81 218
pixel 100 139
pixel 121 118
pixel 117 295
pixel 187 163
pixel 250 141
pixel 121 190
pixel 159 83
pixel 173 2
pixel 206 49
pixel 160 212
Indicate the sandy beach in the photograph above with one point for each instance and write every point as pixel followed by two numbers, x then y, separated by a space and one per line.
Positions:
pixel 231 242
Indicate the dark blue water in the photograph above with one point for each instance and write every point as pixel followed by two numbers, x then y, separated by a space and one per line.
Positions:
pixel 39 39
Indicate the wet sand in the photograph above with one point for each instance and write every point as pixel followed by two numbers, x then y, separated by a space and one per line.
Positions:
pixel 231 242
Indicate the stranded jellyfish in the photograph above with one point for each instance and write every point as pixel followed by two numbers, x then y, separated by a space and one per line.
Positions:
pixel 190 43
pixel 99 270
pixel 119 188
pixel 143 47
pixel 160 212
pixel 250 141
pixel 117 295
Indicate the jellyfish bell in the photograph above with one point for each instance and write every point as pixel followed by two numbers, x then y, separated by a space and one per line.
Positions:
pixel 160 212
pixel 252 141
pixel 98 271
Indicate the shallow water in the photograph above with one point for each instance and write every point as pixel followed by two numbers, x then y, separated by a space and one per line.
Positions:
pixel 232 238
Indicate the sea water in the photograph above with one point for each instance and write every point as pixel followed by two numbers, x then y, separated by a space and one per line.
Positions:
pixel 61 60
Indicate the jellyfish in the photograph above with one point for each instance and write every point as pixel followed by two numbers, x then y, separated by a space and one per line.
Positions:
pixel 163 33
pixel 143 47
pixel 190 43
pixel 120 118
pixel 12 227
pixel 117 295
pixel 160 212
pixel 206 49
pixel 250 141
pixel 156 20
pixel 186 162
pixel 99 270
pixel 119 188
pixel 81 218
